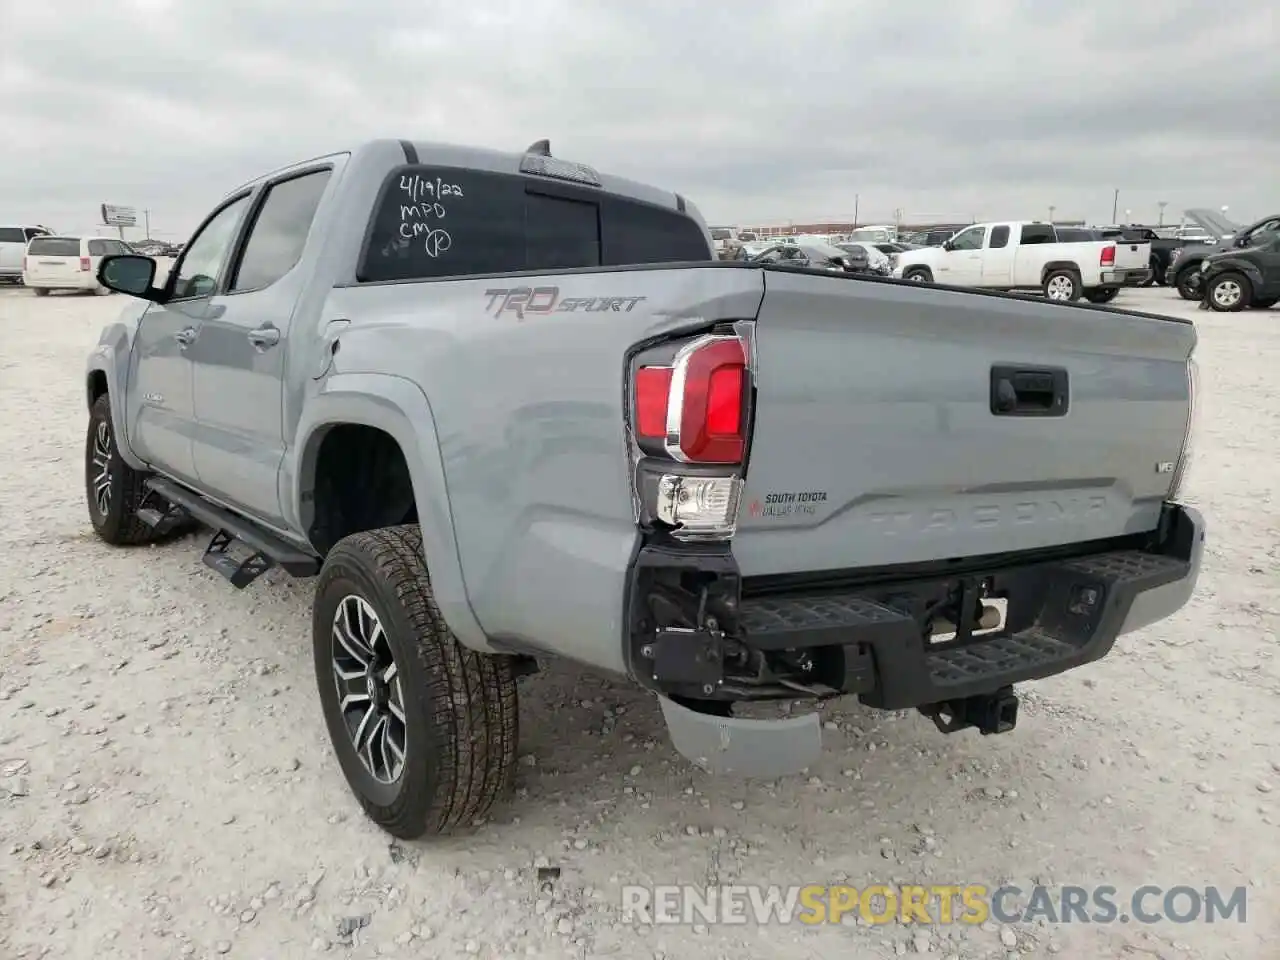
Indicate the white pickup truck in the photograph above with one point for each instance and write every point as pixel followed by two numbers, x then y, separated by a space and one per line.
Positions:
pixel 1030 256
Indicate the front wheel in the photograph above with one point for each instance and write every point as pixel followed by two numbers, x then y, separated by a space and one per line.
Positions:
pixel 1227 293
pixel 1062 285
pixel 918 275
pixel 1102 296
pixel 1188 282
pixel 113 489
pixel 425 729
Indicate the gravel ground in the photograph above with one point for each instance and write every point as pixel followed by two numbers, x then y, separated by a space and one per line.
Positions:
pixel 167 790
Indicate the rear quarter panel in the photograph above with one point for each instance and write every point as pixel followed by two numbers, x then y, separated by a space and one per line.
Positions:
pixel 529 411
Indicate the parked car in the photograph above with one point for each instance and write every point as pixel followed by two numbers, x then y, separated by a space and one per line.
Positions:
pixel 1247 276
pixel 68 263
pixel 1028 256
pixel 815 256
pixel 1186 265
pixel 502 437
pixel 879 261
pixel 13 247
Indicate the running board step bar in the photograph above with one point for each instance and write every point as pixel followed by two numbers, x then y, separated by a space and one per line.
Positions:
pixel 268 550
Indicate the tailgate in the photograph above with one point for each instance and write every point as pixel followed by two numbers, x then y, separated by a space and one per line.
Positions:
pixel 1132 256
pixel 874 440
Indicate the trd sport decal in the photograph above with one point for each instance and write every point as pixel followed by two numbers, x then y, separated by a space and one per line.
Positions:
pixel 543 300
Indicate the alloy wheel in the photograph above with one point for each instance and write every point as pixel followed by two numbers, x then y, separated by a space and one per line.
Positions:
pixel 1061 288
pixel 370 695
pixel 101 458
pixel 1227 293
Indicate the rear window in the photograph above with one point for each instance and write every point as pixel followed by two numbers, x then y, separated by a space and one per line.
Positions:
pixel 54 247
pixel 448 222
pixel 12 235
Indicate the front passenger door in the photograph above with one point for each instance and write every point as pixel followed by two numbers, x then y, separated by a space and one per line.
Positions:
pixel 963 263
pixel 159 405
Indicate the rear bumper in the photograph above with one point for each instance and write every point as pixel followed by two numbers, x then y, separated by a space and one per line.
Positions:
pixel 870 639
pixel 82 281
pixel 1126 278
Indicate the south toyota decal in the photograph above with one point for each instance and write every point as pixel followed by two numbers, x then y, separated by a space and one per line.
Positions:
pixel 541 301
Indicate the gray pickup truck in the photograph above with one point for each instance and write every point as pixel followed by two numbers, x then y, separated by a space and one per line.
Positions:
pixel 505 408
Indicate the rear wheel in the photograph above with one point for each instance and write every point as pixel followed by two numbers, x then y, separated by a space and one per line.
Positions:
pixel 113 489
pixel 40 291
pixel 425 729
pixel 1188 282
pixel 1101 296
pixel 1228 293
pixel 1062 285
pixel 101 291
pixel 918 275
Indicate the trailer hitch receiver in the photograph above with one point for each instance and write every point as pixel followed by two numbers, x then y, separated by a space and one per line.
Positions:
pixel 989 712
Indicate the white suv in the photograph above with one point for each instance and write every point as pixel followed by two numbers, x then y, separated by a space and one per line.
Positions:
pixel 68 263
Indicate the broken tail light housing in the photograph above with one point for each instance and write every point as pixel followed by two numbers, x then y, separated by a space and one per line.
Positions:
pixel 1188 437
pixel 690 419
pixel 1108 257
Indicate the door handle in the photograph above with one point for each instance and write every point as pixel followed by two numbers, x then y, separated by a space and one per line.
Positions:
pixel 185 337
pixel 264 337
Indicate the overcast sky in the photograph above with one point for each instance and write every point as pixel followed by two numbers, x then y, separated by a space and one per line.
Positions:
pixel 755 109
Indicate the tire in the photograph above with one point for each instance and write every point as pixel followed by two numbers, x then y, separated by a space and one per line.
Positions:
pixel 101 291
pixel 40 291
pixel 459 712
pixel 1061 285
pixel 1266 303
pixel 1228 293
pixel 1102 296
pixel 1154 266
pixel 114 516
pixel 918 275
pixel 1184 281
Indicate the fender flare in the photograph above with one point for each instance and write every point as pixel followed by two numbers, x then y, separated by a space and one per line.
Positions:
pixel 110 360
pixel 400 408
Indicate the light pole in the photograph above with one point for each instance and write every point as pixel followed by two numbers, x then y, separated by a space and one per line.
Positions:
pixel 1051 209
pixel 1162 204
pixel 1115 202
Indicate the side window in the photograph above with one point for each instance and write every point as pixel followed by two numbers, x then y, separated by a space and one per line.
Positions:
pixel 204 256
pixel 279 231
pixel 1259 233
pixel 970 239
pixel 635 232
pixel 100 248
pixel 999 237
pixel 1036 233
pixel 560 233
pixel 12 235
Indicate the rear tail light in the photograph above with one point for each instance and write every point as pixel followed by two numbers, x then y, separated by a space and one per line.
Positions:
pixel 84 264
pixel 1188 437
pixel 1108 258
pixel 690 418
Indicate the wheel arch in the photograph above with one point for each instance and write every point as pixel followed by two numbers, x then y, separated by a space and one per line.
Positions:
pixel 399 409
pixel 1053 266
pixel 1252 275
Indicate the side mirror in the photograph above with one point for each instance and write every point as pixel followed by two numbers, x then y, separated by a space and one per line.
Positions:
pixel 948 245
pixel 130 273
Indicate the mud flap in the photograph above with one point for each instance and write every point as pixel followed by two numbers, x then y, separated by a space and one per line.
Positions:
pixel 741 747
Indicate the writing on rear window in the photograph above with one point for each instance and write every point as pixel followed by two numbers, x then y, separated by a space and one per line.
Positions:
pixel 422 216
pixel 544 300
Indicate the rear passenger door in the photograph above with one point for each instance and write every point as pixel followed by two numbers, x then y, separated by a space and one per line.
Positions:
pixel 997 258
pixel 239 358
pixel 158 403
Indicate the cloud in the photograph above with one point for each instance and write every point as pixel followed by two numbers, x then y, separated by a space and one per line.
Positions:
pixel 772 111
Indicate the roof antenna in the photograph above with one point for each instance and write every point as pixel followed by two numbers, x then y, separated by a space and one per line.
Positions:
pixel 540 148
